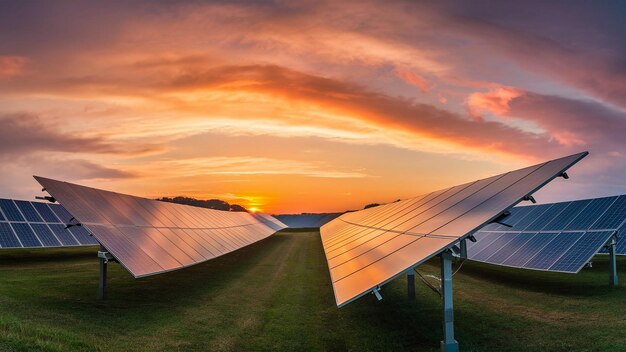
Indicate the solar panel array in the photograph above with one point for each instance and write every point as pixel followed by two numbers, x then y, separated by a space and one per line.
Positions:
pixel 300 221
pixel 270 221
pixel 149 237
pixel 559 237
pixel 25 224
pixel 368 248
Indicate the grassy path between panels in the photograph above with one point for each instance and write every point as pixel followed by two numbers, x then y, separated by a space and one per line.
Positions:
pixel 276 296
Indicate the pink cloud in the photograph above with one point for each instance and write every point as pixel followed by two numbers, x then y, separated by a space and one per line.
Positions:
pixel 412 79
pixel 12 65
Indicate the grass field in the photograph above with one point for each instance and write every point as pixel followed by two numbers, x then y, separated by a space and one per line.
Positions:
pixel 276 295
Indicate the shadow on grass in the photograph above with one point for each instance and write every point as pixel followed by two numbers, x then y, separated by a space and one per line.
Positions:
pixel 581 284
pixel 11 257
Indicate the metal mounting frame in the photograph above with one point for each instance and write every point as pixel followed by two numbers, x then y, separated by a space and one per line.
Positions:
pixel 613 278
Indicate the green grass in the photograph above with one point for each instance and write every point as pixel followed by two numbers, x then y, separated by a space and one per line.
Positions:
pixel 276 295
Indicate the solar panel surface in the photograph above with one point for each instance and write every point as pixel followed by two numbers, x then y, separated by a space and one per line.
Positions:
pixel 554 237
pixel 149 237
pixel 368 248
pixel 35 225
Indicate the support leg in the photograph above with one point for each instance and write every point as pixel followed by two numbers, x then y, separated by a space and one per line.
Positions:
pixel 102 284
pixel 410 281
pixel 613 280
pixel 449 344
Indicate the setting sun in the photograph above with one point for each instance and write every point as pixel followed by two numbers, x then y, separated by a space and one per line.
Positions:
pixel 254 210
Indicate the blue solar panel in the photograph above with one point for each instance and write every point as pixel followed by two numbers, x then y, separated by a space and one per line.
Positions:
pixel 45 212
pixel 82 235
pixel 63 214
pixel 566 216
pixel 46 236
pixel 529 249
pixel 532 215
pixel 26 235
pixel 578 255
pixel 553 250
pixel 7 237
pixel 494 247
pixel 482 240
pixel 10 210
pixel 517 241
pixel 28 211
pixel 63 235
pixel 590 214
pixel 613 217
pixel 516 214
pixel 548 215
pixel 36 224
pixel 554 237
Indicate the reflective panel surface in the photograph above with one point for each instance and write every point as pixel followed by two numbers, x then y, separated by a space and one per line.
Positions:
pixel 149 237
pixel 367 248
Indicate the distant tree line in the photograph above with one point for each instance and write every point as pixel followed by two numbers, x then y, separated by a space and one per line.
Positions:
pixel 216 204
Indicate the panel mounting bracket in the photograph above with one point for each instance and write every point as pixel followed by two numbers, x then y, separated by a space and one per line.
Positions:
pixel 376 292
pixel 48 198
pixel 106 256
pixel 530 198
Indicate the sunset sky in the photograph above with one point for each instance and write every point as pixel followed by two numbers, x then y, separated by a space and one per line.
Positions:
pixel 309 106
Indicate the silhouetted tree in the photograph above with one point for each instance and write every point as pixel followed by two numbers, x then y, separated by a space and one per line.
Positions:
pixel 216 204
pixel 371 205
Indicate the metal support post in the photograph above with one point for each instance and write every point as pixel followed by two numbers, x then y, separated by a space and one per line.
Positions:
pixel 613 279
pixel 410 281
pixel 102 283
pixel 448 344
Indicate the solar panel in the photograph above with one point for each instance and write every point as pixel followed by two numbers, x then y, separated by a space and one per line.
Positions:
pixel 367 248
pixel 270 221
pixel 149 237
pixel 10 210
pixel 35 225
pixel 570 234
pixel 306 220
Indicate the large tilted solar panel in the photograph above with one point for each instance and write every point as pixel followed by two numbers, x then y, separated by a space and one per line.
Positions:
pixel 149 237
pixel 25 224
pixel 368 248
pixel 559 237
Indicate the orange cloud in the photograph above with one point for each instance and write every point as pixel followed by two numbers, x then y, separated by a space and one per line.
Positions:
pixel 495 101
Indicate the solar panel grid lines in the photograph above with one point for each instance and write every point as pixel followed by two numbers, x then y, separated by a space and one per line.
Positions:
pixel 8 239
pixel 39 227
pixel 588 216
pixel 613 217
pixel 28 211
pixel 427 205
pixel 408 206
pixel 571 211
pixel 391 223
pixel 390 250
pixel 573 233
pixel 580 252
pixel 553 250
pixel 10 210
pixel 150 237
pixel 540 222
